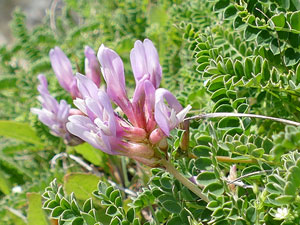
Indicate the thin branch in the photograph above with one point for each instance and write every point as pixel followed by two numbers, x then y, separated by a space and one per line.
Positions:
pixel 216 115
pixel 253 174
pixel 242 184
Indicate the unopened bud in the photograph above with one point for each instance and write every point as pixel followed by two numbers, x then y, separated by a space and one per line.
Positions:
pixel 156 136
pixel 184 144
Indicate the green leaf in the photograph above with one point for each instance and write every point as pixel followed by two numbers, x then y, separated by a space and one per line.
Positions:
pixel 278 21
pixel 19 131
pixel 285 199
pixel 296 4
pixel 175 221
pixel 91 154
pixel 130 215
pixel 221 4
pixel 295 21
pixel 172 206
pixel 290 189
pixel 35 214
pixel 265 73
pixel 251 215
pixel 274 46
pixel 206 178
pixel 239 24
pixel 203 163
pixel 214 188
pixel 250 33
pixel 78 221
pixel 291 57
pixel 230 12
pixel 81 184
pixel 88 218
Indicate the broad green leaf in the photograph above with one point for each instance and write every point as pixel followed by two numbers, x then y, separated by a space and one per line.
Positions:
pixel 285 199
pixel 295 21
pixel 274 46
pixel 214 188
pixel 203 163
pixel 88 218
pixel 19 131
pixel 230 12
pixel 251 215
pixel 82 184
pixel 172 206
pixel 206 178
pixel 93 155
pixel 175 221
pixel 221 4
pixel 278 21
pixel 36 214
pixel 290 188
pixel 250 33
pixel 296 4
pixel 239 24
pixel 291 57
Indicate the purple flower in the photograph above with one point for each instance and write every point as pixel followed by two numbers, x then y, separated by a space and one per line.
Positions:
pixel 168 116
pixel 144 61
pixel 113 73
pixel 100 126
pixel 63 70
pixel 92 66
pixel 54 114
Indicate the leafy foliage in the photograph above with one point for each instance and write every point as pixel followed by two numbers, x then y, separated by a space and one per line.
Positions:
pixel 217 56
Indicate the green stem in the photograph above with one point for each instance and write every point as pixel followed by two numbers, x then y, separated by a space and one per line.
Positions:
pixel 216 115
pixel 186 182
pixel 124 170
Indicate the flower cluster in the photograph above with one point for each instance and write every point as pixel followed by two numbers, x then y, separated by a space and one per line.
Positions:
pixel 148 117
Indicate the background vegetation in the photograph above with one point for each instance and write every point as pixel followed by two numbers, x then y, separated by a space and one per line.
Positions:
pixel 219 56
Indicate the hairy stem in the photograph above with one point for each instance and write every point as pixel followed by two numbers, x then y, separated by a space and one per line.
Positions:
pixel 216 115
pixel 186 182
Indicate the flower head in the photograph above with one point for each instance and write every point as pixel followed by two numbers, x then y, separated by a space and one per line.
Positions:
pixel 281 213
pixel 148 120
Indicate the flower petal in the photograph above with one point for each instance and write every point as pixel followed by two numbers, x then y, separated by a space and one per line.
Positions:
pixel 62 68
pixel 92 66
